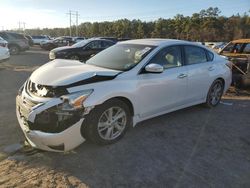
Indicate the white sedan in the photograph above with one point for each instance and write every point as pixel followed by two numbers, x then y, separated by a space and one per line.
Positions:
pixel 65 102
pixel 4 51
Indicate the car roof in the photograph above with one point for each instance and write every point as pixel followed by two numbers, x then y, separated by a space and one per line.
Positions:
pixel 154 42
pixel 241 41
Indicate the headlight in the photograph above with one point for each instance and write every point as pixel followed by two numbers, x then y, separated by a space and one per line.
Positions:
pixel 74 101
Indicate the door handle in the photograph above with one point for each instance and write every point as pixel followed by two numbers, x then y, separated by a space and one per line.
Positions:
pixel 182 75
pixel 211 68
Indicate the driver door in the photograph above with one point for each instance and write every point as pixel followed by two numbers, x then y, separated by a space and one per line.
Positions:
pixel 162 92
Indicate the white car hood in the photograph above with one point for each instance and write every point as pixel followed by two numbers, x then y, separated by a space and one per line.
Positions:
pixel 60 72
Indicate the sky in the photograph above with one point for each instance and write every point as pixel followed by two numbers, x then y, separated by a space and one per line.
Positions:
pixel 53 13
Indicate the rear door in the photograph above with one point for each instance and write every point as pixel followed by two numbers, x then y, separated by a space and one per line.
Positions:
pixel 200 72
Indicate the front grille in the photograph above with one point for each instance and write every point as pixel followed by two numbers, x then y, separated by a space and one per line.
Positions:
pixel 45 91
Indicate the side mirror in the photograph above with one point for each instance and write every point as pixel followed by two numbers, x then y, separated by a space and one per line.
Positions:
pixel 154 68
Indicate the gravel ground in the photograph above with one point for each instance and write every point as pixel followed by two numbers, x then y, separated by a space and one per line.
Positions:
pixel 193 147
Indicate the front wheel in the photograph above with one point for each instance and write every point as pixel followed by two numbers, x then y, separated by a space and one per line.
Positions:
pixel 108 122
pixel 215 93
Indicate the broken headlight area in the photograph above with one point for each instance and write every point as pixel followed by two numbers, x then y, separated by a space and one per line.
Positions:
pixel 58 118
pixel 54 120
pixel 74 101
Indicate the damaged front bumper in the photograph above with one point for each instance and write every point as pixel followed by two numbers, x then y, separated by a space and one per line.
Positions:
pixel 44 128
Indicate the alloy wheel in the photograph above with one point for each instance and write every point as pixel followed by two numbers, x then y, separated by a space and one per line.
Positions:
pixel 112 123
pixel 216 93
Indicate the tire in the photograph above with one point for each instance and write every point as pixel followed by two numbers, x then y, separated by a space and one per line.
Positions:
pixel 99 129
pixel 74 57
pixel 215 93
pixel 14 49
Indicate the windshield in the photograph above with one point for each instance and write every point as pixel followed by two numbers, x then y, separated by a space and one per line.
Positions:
pixel 81 43
pixel 121 56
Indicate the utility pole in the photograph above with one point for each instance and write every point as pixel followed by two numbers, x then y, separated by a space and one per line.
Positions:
pixel 21 26
pixel 73 13
pixel 70 13
pixel 77 23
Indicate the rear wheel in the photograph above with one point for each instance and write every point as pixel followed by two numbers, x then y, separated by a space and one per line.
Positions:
pixel 14 49
pixel 214 94
pixel 108 122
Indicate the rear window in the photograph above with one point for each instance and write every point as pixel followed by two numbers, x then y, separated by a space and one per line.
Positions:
pixel 194 55
pixel 210 56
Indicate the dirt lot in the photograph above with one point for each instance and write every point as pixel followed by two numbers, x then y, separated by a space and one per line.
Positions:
pixel 193 147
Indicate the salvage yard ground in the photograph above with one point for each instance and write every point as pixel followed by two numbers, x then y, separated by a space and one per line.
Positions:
pixel 193 147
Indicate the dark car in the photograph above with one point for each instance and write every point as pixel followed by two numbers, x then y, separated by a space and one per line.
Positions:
pixel 16 42
pixel 30 40
pixel 82 50
pixel 238 52
pixel 57 42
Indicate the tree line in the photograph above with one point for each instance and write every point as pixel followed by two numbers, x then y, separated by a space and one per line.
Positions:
pixel 207 25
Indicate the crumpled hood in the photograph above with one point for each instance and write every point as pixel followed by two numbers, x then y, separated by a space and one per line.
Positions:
pixel 60 72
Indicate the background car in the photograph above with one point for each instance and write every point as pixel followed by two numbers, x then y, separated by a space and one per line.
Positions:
pixel 238 52
pixel 16 42
pixel 37 39
pixel 80 51
pixel 30 40
pixel 57 42
pixel 78 39
pixel 4 51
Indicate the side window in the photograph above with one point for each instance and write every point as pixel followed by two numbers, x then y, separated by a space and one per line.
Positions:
pixel 247 49
pixel 95 45
pixel 168 57
pixel 194 55
pixel 106 44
